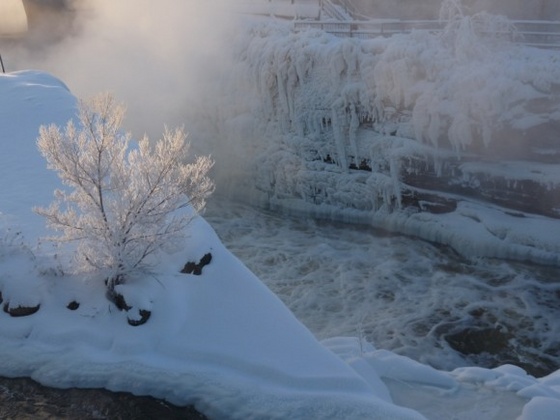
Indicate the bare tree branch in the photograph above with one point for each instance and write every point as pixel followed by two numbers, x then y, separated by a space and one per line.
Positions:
pixel 125 203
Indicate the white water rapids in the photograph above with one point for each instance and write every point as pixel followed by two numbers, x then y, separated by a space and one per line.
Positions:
pixel 397 292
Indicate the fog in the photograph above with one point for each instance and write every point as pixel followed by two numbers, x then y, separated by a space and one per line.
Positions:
pixel 159 58
pixel 156 57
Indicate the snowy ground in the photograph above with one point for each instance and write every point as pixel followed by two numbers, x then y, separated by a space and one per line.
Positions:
pixel 221 341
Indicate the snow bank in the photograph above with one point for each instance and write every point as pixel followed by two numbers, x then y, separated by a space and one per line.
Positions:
pixel 29 99
pixel 220 341
pixel 506 392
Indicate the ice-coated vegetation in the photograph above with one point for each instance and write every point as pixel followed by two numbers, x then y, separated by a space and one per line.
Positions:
pixel 343 127
pixel 126 204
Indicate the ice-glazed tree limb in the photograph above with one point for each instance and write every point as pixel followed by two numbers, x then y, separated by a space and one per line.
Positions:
pixel 124 203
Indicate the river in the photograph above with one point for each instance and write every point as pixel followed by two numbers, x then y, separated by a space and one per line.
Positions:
pixel 400 293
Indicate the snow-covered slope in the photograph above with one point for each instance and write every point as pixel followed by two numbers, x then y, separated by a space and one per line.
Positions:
pixel 221 340
pixel 28 101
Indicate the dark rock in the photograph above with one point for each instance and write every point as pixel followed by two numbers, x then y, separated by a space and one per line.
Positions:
pixel 118 300
pixel 73 305
pixel 479 340
pixel 196 269
pixel 144 316
pixel 20 310
pixel 448 177
pixel 189 268
pixel 428 202
pixel 329 159
pixel 22 398
pixel 111 282
pixel 205 260
pixel 365 166
pixel 490 347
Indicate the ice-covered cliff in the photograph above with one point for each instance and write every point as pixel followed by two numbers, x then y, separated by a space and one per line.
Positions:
pixel 448 136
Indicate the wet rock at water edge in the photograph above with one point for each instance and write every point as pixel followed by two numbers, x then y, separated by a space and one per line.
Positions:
pixel 479 340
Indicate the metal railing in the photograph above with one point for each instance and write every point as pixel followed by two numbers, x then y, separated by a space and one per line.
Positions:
pixel 542 34
pixel 332 10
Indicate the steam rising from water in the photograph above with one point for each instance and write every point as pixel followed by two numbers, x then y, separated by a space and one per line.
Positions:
pixel 151 55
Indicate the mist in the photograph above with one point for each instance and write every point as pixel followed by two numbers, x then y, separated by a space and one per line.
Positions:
pixel 156 57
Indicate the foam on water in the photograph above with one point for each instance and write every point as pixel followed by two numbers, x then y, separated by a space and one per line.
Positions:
pixel 400 293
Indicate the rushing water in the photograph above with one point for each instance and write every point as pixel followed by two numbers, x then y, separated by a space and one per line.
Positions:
pixel 399 293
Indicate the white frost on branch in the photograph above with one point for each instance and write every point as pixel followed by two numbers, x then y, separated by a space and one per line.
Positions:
pixel 125 204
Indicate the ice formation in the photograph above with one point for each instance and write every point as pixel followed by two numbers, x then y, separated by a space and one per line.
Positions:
pixel 438 135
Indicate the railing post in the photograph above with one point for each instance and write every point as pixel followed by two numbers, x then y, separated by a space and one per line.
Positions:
pixel 2 63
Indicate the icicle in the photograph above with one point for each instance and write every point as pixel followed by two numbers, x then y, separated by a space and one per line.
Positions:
pixel 395 169
pixel 339 139
pixel 353 131
pixel 434 128
pixel 292 83
pixel 350 57
pixel 460 133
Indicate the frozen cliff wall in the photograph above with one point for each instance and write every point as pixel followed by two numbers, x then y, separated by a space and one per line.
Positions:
pixel 399 133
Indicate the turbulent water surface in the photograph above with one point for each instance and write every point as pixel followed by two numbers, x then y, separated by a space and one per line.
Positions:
pixel 400 293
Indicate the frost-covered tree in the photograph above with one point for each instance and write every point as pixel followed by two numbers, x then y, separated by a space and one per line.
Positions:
pixel 471 35
pixel 125 202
